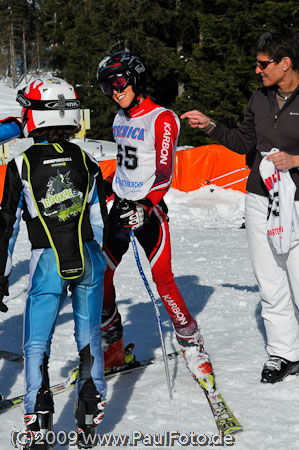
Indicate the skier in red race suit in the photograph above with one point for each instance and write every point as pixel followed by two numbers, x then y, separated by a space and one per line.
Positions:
pixel 146 135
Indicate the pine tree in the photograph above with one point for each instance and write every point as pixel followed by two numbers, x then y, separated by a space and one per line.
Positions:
pixel 4 39
pixel 197 52
pixel 221 70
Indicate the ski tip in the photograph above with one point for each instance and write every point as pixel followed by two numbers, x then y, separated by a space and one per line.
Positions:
pixel 232 429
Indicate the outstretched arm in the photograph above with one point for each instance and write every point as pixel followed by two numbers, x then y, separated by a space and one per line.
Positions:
pixel 10 128
pixel 196 119
pixel 240 140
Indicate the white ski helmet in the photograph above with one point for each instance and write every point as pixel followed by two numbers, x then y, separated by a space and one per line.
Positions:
pixel 48 102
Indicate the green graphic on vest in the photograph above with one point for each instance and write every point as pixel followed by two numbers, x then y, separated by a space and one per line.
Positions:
pixel 62 200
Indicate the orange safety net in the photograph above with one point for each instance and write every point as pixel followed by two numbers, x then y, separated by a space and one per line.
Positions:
pixel 198 166
pixel 107 167
pixel 193 168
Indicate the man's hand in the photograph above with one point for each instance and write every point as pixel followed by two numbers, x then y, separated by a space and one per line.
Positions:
pixel 196 119
pixel 283 160
pixel 3 292
pixel 132 215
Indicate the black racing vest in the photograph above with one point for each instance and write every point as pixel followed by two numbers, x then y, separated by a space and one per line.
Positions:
pixel 59 180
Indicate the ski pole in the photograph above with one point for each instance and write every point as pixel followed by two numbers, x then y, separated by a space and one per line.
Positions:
pixel 157 312
pixel 226 174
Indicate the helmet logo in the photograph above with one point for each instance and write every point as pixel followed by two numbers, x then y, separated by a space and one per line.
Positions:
pixel 104 61
pixel 67 104
pixel 132 59
pixel 53 81
pixel 140 68
pixel 41 105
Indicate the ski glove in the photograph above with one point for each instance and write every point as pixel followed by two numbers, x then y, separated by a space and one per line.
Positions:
pixel 3 292
pixel 133 215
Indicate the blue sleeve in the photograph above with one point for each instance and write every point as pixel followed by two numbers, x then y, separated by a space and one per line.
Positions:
pixel 16 226
pixel 8 131
pixel 95 216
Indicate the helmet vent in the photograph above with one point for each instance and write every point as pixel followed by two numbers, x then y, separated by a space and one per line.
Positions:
pixel 61 101
pixel 61 104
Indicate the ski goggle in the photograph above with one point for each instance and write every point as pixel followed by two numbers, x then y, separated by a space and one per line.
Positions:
pixel 116 82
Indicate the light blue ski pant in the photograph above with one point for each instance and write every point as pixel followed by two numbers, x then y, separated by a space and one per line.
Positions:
pixel 46 294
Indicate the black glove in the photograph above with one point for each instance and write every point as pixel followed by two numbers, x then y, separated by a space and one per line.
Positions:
pixel 133 215
pixel 3 292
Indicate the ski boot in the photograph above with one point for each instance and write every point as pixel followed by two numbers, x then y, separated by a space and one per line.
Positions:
pixel 89 413
pixel 277 368
pixel 39 422
pixel 114 355
pixel 112 341
pixel 129 358
pixel 117 355
pixel 37 427
pixel 197 360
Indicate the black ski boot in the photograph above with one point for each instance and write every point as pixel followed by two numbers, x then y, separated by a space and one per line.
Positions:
pixel 40 421
pixel 89 412
pixel 277 369
pixel 37 427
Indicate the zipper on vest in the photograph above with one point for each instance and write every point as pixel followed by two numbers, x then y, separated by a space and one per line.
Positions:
pixel 275 120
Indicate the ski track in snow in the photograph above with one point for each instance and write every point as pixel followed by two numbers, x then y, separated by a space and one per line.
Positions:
pixel 212 269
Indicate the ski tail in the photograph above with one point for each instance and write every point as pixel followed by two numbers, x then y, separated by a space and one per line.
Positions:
pixel 203 374
pixel 132 366
pixel 225 420
pixel 11 356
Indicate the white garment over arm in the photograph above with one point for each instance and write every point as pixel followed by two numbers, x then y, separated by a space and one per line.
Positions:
pixel 283 220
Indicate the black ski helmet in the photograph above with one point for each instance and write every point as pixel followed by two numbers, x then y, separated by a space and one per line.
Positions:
pixel 125 63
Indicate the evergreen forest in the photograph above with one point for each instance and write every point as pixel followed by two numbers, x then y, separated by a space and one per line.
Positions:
pixel 197 52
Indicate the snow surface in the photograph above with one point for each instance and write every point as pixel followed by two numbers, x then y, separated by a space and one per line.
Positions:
pixel 212 269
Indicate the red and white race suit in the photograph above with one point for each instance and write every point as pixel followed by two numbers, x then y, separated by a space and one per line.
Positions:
pixel 146 143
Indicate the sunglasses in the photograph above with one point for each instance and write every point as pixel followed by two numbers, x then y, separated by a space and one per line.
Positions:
pixel 116 82
pixel 263 64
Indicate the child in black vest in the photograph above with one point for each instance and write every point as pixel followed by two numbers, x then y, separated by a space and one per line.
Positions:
pixel 58 188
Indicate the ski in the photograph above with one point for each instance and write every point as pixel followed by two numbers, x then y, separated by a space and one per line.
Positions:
pixel 225 420
pixel 9 403
pixel 14 402
pixel 11 356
